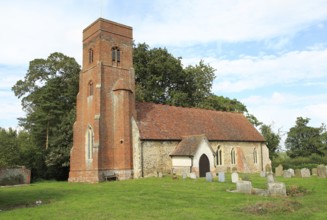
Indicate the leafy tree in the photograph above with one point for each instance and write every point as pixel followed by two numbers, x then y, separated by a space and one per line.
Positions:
pixel 48 94
pixel 272 140
pixel 303 140
pixel 221 103
pixel 161 78
pixel 9 148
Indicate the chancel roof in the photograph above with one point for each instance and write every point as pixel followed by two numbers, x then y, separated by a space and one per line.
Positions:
pixel 164 122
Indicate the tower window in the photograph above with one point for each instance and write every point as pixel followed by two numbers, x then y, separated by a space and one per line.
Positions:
pixel 233 157
pixel 89 142
pixel 115 55
pixel 90 55
pixel 91 88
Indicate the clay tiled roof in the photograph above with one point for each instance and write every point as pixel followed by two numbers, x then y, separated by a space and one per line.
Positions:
pixel 164 122
pixel 189 145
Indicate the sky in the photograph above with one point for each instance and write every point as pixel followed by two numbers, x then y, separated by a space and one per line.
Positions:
pixel 271 55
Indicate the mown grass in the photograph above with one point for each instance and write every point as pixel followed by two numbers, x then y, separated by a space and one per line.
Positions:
pixel 161 198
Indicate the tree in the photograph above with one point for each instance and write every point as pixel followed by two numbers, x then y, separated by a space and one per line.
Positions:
pixel 303 140
pixel 272 140
pixel 221 103
pixel 161 78
pixel 9 148
pixel 48 94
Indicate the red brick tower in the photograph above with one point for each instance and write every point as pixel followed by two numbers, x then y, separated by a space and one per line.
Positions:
pixel 105 104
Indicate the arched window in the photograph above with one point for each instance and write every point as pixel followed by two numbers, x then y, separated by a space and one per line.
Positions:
pixel 91 89
pixel 115 55
pixel 89 142
pixel 232 154
pixel 90 55
pixel 219 156
pixel 255 156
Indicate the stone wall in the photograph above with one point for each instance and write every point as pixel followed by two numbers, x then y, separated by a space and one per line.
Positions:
pixel 152 157
pixel 156 157
pixel 244 153
pixel 15 176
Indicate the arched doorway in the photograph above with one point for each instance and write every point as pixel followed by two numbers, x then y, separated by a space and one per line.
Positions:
pixel 204 165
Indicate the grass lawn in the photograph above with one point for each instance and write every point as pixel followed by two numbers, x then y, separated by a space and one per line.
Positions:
pixel 161 198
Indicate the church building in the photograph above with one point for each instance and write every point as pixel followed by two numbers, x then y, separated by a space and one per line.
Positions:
pixel 117 137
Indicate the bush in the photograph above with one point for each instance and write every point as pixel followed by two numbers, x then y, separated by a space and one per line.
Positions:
pixel 299 162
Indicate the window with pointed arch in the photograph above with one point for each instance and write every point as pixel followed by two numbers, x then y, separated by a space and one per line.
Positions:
pixel 90 55
pixel 219 156
pixel 255 156
pixel 91 88
pixel 233 156
pixel 115 55
pixel 89 142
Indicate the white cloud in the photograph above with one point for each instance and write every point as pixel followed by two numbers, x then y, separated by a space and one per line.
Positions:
pixel 184 22
pixel 251 73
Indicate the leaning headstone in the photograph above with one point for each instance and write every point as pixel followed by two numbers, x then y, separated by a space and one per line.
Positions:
pixel 221 176
pixel 305 172
pixel 322 171
pixel 279 170
pixel 209 176
pixel 244 187
pixel 314 171
pixel 263 174
pixel 298 173
pixel 192 175
pixel 277 189
pixel 287 174
pixel 234 177
pixel 270 178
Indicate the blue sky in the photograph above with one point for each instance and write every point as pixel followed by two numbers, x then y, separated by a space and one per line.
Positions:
pixel 271 55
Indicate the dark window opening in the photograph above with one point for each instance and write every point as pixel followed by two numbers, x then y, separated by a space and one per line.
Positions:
pixel 90 55
pixel 115 55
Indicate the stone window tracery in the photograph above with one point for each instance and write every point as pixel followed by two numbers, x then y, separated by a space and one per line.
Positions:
pixel 233 156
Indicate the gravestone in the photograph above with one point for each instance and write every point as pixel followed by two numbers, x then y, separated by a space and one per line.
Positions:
pixel 234 177
pixel 160 174
pixel 305 172
pixel 270 178
pixel 209 176
pixel 314 171
pixel 279 170
pixel 276 189
pixel 184 176
pixel 287 174
pixel 298 173
pixel 221 177
pixel 268 168
pixel 263 174
pixel 291 171
pixel 322 171
pixel 192 175
pixel 244 187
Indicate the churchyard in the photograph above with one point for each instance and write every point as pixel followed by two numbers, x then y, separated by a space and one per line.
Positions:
pixel 164 198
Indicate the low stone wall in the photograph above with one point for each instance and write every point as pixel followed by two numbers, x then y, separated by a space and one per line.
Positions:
pixel 15 176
